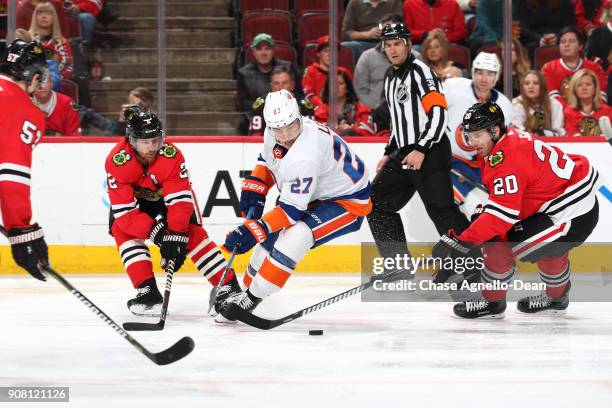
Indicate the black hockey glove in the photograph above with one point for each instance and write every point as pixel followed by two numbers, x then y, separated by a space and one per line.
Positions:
pixel 173 246
pixel 29 248
pixel 253 195
pixel 463 255
pixel 158 231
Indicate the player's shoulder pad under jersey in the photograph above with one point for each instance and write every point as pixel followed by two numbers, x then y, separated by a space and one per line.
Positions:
pixel 169 151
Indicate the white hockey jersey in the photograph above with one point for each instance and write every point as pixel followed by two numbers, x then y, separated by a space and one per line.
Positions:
pixel 319 166
pixel 460 96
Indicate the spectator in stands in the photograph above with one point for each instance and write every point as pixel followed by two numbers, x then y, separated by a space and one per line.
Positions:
pixel 116 127
pixel 61 112
pixel 435 54
pixel 589 14
pixel 25 11
pixel 354 118
pixel 534 110
pixel 558 73
pixel 315 74
pixel 45 30
pixel 422 16
pixel 542 20
pixel 253 79
pixel 85 11
pixel 489 24
pixel 520 66
pixel 281 78
pixel 468 6
pixel 360 30
pixel 371 68
pixel 599 46
pixel 584 107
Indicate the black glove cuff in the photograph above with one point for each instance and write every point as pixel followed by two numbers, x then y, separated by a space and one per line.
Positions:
pixel 175 237
pixel 23 235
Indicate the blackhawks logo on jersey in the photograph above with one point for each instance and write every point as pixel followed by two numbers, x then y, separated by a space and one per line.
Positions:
pixel 121 157
pixel 496 158
pixel 168 151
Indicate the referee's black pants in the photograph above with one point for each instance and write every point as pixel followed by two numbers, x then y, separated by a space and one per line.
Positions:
pixel 393 187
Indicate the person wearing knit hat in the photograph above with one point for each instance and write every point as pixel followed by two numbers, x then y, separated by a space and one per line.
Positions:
pixel 253 79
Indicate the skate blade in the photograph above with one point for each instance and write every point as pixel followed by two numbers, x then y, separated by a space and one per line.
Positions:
pixel 496 316
pixel 140 310
pixel 547 312
pixel 219 318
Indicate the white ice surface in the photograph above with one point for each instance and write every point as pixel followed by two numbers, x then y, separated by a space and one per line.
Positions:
pixel 372 354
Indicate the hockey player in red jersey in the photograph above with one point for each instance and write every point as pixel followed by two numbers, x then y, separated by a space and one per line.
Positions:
pixel 541 204
pixel 147 180
pixel 21 70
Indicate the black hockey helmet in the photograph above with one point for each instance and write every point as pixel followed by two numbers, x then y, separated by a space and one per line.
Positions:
pixel 485 115
pixel 141 123
pixel 395 31
pixel 23 60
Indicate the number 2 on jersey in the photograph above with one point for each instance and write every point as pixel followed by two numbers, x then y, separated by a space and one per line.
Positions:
pixel 353 166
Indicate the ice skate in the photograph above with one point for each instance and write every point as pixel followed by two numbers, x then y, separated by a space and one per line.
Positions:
pixel 148 300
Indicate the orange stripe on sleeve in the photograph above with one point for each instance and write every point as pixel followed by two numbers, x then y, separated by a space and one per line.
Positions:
pixel 273 273
pixel 433 99
pixel 247 279
pixel 276 219
pixel 263 173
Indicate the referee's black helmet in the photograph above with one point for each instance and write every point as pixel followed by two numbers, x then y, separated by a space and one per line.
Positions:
pixel 395 31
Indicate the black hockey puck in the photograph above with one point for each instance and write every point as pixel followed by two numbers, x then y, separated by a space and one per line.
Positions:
pixel 315 332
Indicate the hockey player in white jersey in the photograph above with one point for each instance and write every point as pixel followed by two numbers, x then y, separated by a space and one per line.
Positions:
pixel 461 94
pixel 324 193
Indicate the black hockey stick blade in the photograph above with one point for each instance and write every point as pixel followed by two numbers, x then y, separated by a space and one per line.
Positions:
pixel 139 326
pixel 174 353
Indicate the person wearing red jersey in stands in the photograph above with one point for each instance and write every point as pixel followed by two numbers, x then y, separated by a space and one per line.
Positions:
pixel 584 108
pixel 45 30
pixel 558 73
pixel 316 73
pixel 61 112
pixel 422 16
pixel 354 118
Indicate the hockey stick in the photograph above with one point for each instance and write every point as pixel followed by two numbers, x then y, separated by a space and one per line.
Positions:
pixel 213 293
pixel 469 181
pixel 174 353
pixel 265 324
pixel 140 326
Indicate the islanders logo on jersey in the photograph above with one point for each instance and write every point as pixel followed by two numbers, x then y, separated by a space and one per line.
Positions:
pixel 168 151
pixel 121 157
pixel 496 159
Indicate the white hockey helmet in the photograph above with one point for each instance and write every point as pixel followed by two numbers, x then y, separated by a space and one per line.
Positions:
pixel 281 109
pixel 487 61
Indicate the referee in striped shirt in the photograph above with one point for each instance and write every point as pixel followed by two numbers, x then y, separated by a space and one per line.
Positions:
pixel 418 155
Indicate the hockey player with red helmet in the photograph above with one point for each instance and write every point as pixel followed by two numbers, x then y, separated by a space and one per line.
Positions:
pixel 22 70
pixel 147 180
pixel 541 204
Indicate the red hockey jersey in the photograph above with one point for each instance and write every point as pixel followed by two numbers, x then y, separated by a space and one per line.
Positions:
pixel 22 125
pixel 558 76
pixel 166 178
pixel 313 82
pixel 90 6
pixel 582 124
pixel 63 117
pixel 527 176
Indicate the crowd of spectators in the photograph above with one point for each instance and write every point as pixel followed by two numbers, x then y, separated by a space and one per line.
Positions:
pixel 561 60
